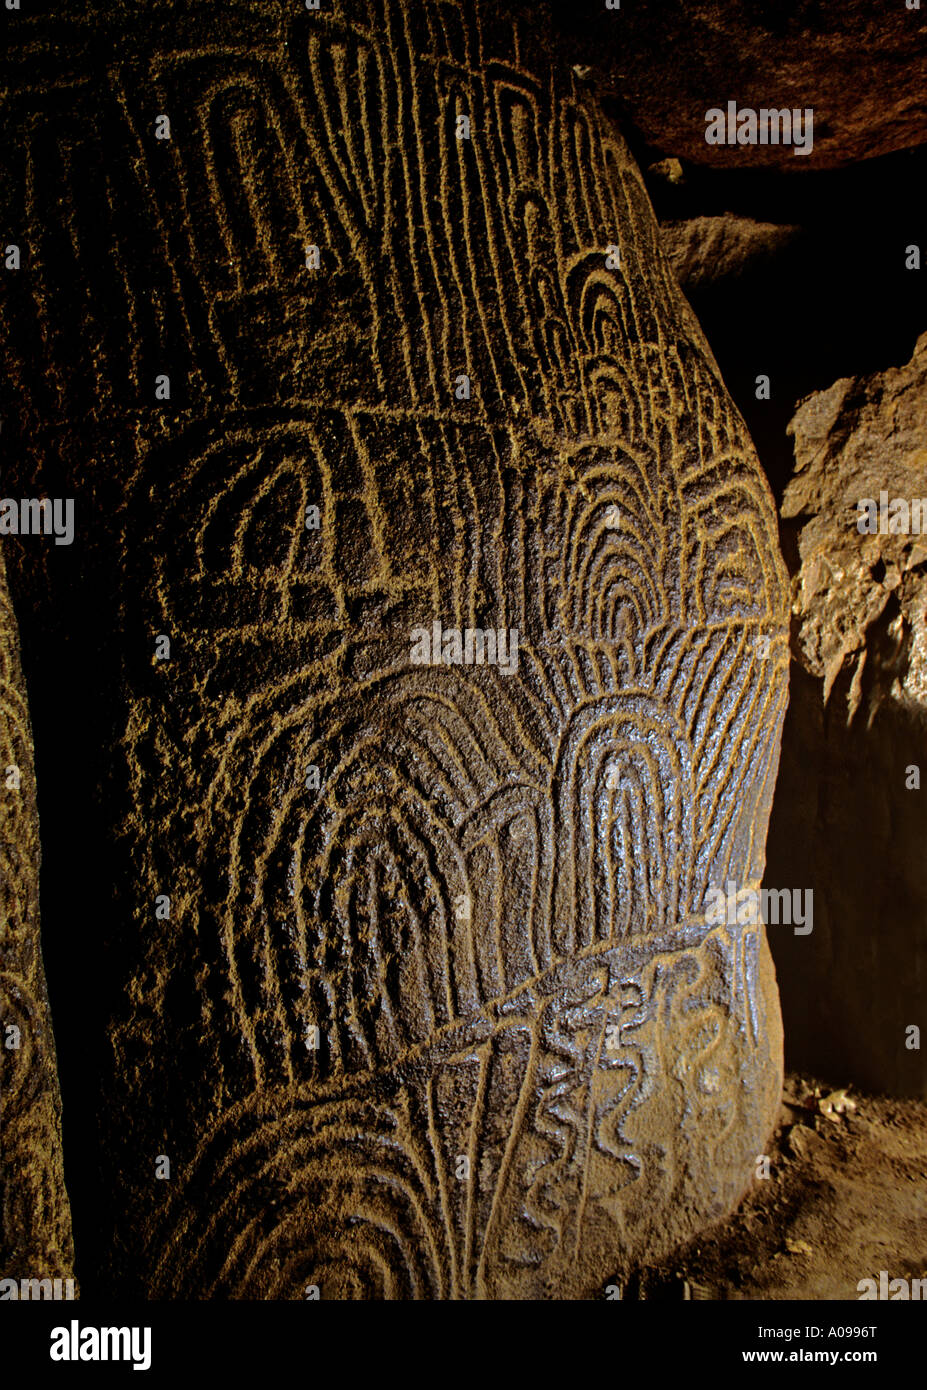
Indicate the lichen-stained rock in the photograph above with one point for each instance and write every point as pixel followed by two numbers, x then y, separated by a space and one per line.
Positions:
pixel 35 1222
pixel 418 993
pixel 851 818
pixel 862 68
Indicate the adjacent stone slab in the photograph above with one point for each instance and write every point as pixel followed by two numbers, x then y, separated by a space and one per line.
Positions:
pixel 35 1222
pixel 417 995
pixel 851 814
pixel 862 68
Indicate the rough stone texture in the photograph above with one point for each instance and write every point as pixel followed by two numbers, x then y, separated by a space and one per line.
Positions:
pixel 846 1198
pixel 705 250
pixel 35 1222
pixel 861 67
pixel 846 823
pixel 607 1061
pixel 860 438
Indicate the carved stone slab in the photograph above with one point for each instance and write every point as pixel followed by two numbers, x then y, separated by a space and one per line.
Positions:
pixel 418 995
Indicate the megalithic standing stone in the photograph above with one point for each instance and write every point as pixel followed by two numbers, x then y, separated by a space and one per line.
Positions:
pixel 35 1220
pixel 438 777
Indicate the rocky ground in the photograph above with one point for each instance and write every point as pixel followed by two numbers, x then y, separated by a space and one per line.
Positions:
pixel 846 1198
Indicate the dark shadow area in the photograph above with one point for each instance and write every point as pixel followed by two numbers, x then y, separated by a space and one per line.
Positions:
pixel 857 838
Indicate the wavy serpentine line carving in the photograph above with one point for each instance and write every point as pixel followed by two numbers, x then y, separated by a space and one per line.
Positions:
pixel 607 1062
